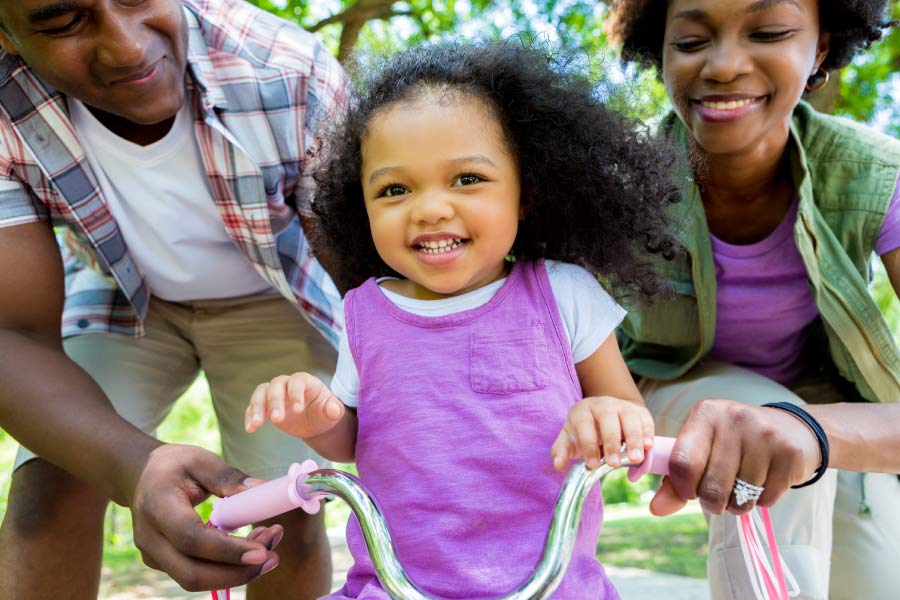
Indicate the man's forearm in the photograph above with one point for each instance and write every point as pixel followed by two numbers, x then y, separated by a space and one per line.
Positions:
pixel 56 410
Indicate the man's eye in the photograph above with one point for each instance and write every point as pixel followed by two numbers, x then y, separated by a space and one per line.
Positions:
pixel 70 26
pixel 467 179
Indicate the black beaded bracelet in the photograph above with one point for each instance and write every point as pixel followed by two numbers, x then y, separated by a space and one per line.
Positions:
pixel 817 431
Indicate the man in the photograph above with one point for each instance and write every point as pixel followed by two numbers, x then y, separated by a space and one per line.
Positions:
pixel 167 142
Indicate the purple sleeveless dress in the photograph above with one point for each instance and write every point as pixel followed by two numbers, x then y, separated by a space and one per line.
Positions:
pixel 456 418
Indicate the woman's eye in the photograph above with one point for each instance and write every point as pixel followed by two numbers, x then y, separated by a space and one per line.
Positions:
pixel 771 36
pixel 394 190
pixel 71 25
pixel 689 45
pixel 467 179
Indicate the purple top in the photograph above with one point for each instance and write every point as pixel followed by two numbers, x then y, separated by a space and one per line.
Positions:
pixel 457 414
pixel 763 295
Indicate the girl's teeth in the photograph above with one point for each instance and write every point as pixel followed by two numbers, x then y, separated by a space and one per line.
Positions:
pixel 440 247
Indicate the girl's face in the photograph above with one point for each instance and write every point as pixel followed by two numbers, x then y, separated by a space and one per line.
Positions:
pixel 442 193
pixel 735 69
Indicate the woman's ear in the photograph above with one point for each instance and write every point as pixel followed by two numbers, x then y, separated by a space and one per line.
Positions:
pixel 822 49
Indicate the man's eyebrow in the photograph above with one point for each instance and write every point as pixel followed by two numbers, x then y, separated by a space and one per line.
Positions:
pixel 51 11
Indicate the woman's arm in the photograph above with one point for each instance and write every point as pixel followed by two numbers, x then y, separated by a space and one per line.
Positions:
pixel 862 437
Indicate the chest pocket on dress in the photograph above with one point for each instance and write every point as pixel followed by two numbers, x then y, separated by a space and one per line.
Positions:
pixel 508 360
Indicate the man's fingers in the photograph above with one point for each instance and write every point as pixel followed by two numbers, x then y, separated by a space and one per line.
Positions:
pixel 195 573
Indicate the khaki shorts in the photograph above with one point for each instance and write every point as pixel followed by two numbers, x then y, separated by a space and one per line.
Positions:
pixel 238 343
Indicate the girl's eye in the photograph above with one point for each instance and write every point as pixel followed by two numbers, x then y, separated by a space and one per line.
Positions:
pixel 771 36
pixel 67 28
pixel 393 190
pixel 466 179
pixel 689 45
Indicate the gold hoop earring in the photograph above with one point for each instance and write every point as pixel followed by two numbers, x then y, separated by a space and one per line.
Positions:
pixel 822 83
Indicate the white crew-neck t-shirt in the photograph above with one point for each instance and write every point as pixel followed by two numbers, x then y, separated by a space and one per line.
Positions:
pixel 160 198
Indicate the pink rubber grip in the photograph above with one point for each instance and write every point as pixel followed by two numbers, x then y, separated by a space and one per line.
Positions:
pixel 264 501
pixel 656 460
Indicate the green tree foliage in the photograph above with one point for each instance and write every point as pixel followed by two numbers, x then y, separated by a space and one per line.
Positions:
pixel 869 86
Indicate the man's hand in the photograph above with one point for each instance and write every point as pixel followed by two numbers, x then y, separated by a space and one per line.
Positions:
pixel 722 440
pixel 170 534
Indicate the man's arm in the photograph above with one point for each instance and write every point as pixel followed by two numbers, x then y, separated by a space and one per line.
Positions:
pixel 55 409
pixel 46 402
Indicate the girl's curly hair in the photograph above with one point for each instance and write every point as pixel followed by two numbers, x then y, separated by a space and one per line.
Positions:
pixel 639 27
pixel 595 186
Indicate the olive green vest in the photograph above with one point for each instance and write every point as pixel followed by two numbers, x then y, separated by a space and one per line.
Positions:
pixel 845 175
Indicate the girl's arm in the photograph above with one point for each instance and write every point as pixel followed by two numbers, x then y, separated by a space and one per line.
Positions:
pixel 303 406
pixel 611 413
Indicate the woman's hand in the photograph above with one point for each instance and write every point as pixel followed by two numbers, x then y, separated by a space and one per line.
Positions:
pixel 301 405
pixel 722 440
pixel 603 421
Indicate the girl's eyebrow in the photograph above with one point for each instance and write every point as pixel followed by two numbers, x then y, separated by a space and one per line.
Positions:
pixel 474 158
pixel 758 6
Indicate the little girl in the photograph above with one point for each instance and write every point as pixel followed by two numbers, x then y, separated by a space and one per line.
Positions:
pixel 474 194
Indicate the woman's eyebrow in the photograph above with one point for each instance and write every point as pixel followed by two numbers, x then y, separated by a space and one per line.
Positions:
pixel 759 5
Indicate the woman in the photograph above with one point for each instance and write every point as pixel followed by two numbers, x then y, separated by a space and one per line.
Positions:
pixel 780 219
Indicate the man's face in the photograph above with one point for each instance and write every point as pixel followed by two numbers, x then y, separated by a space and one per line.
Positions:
pixel 123 57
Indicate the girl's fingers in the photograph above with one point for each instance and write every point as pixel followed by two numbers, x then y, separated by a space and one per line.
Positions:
pixel 633 433
pixel 333 409
pixel 297 387
pixel 561 450
pixel 611 436
pixel 586 438
pixel 256 410
pixel 275 398
pixel 649 428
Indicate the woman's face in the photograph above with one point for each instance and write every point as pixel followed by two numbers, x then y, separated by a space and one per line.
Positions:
pixel 735 69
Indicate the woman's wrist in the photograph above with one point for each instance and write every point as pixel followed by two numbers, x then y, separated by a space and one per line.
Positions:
pixel 818 432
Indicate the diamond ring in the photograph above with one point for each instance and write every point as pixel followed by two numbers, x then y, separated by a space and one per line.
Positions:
pixel 746 492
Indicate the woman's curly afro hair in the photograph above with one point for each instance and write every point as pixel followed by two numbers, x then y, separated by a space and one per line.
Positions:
pixel 639 26
pixel 595 187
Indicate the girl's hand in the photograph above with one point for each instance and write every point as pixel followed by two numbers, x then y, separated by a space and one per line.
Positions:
pixel 603 421
pixel 301 405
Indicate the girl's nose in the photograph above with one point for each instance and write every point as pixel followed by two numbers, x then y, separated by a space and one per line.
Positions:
pixel 431 208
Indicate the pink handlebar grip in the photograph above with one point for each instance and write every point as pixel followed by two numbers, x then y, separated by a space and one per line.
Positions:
pixel 656 460
pixel 263 501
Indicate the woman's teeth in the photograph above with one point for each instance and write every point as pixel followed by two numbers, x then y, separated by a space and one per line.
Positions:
pixel 439 247
pixel 730 105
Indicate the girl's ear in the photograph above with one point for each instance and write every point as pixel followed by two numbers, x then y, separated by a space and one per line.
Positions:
pixel 524 205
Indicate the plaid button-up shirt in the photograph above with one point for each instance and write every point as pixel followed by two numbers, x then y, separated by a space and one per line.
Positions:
pixel 259 88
